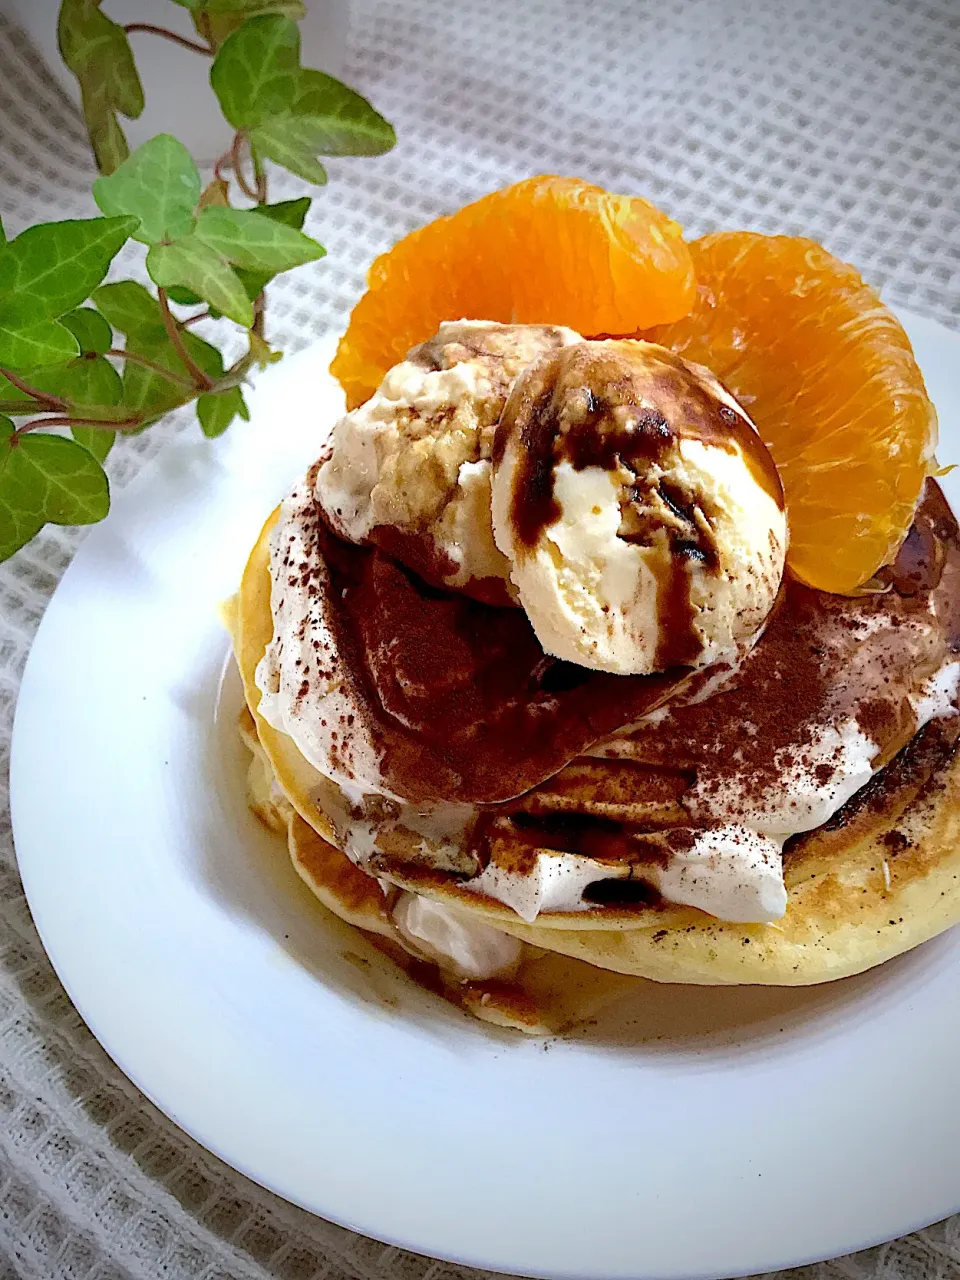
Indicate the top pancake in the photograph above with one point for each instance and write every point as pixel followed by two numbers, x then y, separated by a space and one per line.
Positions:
pixel 843 916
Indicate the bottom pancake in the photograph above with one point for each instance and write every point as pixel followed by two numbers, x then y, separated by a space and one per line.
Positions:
pixel 548 992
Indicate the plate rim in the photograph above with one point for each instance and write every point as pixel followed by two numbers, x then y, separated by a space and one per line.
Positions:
pixel 19 770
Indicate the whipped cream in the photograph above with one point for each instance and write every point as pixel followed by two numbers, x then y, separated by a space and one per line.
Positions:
pixel 798 800
pixel 938 696
pixel 319 713
pixel 730 872
pixel 455 940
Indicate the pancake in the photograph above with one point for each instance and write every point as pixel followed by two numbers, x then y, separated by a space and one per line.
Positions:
pixel 881 877
pixel 549 993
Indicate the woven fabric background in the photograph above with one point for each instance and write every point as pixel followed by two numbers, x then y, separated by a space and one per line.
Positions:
pixel 837 119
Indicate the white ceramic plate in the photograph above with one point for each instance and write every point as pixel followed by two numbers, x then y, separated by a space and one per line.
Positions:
pixel 693 1133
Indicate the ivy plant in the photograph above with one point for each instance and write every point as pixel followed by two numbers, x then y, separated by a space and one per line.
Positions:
pixel 82 361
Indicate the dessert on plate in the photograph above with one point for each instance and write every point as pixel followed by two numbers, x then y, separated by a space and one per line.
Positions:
pixel 614 633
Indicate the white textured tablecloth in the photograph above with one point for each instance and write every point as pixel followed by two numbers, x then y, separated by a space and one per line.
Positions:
pixel 838 119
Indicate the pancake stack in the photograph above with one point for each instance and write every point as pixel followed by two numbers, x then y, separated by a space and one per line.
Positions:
pixel 880 876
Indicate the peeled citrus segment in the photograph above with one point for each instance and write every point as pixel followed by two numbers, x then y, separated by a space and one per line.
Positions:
pixel 828 375
pixel 547 250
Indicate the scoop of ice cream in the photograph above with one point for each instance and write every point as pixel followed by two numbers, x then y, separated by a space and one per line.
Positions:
pixel 410 469
pixel 640 511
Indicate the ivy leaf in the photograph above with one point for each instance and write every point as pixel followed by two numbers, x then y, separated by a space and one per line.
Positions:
pixel 94 440
pixel 90 385
pixel 159 184
pixel 291 114
pixel 342 122
pixel 85 383
pixel 291 213
pixel 185 297
pixel 247 8
pixel 134 310
pixel 28 346
pixel 46 479
pixel 128 306
pixel 90 330
pixel 216 410
pixel 217 19
pixel 98 53
pixel 250 240
pixel 53 267
pixel 286 141
pixel 199 267
pixel 256 72
pixel 148 392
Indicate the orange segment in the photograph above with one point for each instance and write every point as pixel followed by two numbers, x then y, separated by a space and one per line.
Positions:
pixel 829 377
pixel 547 250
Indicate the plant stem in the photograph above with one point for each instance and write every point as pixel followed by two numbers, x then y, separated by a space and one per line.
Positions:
pixel 236 161
pixel 259 315
pixel 42 397
pixel 147 363
pixel 220 162
pixel 67 420
pixel 260 303
pixel 132 28
pixel 260 175
pixel 173 333
pixel 201 315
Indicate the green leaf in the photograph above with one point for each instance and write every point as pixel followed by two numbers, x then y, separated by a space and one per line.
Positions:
pixel 144 390
pixel 90 330
pixel 52 268
pixel 89 384
pixel 86 383
pixel 216 410
pixel 46 478
pixel 185 297
pixel 254 282
pixel 159 184
pixel 286 142
pixel 291 213
pixel 129 307
pixel 343 122
pixel 255 74
pixel 94 440
pixel 98 53
pixel 247 8
pixel 28 346
pixel 250 240
pixel 134 310
pixel 3 234
pixel 291 114
pixel 199 267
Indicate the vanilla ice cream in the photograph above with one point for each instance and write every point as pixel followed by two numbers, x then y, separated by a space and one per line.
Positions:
pixel 641 513
pixel 410 469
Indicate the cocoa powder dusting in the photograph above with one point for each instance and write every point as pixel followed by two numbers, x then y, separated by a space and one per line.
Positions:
pixel 803 673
